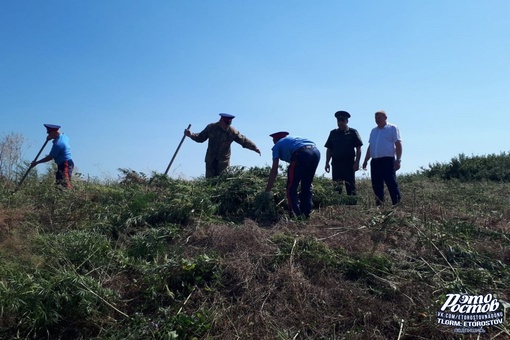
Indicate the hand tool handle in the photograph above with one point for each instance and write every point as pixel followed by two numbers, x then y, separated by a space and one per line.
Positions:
pixel 176 151
pixel 30 167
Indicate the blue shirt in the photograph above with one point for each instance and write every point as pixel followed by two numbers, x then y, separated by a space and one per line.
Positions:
pixel 382 141
pixel 61 151
pixel 285 147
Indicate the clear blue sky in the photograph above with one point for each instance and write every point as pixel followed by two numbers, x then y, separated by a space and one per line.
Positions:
pixel 124 78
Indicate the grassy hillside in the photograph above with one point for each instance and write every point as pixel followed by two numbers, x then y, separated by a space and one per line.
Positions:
pixel 161 258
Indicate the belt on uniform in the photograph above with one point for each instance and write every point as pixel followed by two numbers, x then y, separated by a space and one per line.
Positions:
pixel 304 148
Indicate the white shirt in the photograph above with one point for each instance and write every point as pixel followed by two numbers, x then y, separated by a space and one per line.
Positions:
pixel 382 141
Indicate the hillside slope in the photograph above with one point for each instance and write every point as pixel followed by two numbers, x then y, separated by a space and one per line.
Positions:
pixel 213 259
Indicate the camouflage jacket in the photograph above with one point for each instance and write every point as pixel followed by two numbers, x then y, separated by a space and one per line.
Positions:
pixel 218 147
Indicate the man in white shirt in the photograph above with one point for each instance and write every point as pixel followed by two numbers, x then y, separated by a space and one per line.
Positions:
pixel 385 149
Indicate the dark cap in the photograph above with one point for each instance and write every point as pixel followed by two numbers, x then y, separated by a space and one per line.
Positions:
pixel 279 134
pixel 51 126
pixel 342 114
pixel 227 115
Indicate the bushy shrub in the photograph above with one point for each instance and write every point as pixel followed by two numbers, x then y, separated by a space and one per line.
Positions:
pixel 36 303
pixel 78 249
pixel 150 243
pixel 10 155
pixel 178 275
pixel 491 167
pixel 234 192
pixel 325 194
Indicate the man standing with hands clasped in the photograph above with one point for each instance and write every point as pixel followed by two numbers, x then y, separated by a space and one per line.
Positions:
pixel 385 149
pixel 344 148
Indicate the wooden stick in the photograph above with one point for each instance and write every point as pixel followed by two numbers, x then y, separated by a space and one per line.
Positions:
pixel 30 167
pixel 176 151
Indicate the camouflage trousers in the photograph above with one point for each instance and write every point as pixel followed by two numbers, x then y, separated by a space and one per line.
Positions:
pixel 214 168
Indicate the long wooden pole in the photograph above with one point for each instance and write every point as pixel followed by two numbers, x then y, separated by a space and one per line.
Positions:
pixel 30 167
pixel 176 151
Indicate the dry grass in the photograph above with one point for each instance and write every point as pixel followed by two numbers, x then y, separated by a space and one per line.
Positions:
pixel 260 303
pixel 266 301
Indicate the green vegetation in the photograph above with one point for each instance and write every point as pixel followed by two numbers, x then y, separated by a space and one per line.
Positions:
pixel 475 168
pixel 160 258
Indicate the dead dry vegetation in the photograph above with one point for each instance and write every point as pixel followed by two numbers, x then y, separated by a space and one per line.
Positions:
pixel 212 260
pixel 357 274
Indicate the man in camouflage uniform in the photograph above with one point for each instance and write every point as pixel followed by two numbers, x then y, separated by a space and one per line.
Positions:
pixel 220 135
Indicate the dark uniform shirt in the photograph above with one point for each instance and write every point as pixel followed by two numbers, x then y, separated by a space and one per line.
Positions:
pixel 342 143
pixel 220 139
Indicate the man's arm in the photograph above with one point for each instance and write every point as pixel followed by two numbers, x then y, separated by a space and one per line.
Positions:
pixel 245 142
pixel 357 145
pixel 357 159
pixel 367 157
pixel 398 153
pixel 272 174
pixel 328 159
pixel 199 137
pixel 42 160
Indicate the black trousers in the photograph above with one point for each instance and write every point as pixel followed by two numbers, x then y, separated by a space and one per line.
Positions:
pixel 343 173
pixel 301 171
pixel 382 171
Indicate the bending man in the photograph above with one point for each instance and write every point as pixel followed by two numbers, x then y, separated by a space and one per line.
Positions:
pixel 304 158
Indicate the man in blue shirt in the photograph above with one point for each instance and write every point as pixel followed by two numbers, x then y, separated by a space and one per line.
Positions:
pixel 60 153
pixel 304 158
pixel 385 149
